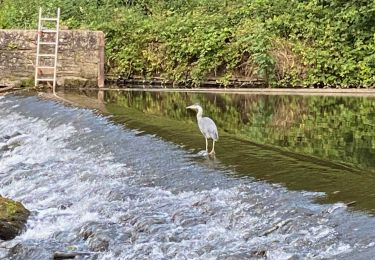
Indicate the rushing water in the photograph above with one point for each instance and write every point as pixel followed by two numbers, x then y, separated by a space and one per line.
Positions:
pixel 96 186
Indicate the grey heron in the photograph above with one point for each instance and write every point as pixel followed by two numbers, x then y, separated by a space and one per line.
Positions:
pixel 206 126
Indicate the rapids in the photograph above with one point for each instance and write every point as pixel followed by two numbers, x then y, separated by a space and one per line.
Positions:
pixel 115 193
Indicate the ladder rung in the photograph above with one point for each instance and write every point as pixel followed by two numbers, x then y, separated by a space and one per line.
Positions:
pixel 46 67
pixel 47 28
pixel 48 31
pixel 48 19
pixel 46 79
pixel 46 55
pixel 48 43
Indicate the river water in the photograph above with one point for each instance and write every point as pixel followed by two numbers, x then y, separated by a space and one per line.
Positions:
pixel 117 182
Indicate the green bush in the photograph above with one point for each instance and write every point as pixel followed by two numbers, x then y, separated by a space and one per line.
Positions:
pixel 283 42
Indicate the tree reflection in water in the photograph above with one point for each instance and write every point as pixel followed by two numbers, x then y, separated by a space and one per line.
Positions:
pixel 341 129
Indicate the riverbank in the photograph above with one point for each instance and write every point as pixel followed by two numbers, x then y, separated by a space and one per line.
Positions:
pixel 282 43
pixel 256 91
pixel 4 90
pixel 13 217
pixel 360 92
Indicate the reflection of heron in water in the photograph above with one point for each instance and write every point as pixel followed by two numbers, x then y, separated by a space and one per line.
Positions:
pixel 207 127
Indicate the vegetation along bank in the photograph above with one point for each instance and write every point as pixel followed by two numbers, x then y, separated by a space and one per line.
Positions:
pixel 285 43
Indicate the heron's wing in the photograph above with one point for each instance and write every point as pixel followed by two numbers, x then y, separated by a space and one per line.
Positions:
pixel 208 128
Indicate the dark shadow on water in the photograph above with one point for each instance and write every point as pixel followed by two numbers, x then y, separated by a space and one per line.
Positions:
pixel 323 144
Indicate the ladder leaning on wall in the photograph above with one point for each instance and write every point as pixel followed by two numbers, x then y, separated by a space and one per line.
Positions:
pixel 41 58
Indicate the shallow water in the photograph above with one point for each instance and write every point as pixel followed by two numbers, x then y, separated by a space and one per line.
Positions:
pixel 314 143
pixel 100 187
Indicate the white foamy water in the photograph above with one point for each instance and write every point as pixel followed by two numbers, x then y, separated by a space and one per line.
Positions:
pixel 99 188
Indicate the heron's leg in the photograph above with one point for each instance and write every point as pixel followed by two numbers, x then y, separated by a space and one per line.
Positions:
pixel 213 147
pixel 206 145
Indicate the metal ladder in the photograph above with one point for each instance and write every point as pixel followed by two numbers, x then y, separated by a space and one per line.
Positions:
pixel 39 65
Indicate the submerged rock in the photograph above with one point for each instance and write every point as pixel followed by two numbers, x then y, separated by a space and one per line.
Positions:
pixel 13 217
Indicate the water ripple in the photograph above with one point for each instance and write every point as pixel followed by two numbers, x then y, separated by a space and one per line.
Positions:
pixel 96 187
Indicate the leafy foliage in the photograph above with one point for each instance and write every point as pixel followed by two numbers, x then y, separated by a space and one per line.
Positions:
pixel 283 42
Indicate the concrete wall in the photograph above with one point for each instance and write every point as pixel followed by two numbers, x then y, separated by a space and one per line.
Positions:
pixel 80 58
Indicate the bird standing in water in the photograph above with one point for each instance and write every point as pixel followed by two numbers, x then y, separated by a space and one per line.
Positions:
pixel 206 126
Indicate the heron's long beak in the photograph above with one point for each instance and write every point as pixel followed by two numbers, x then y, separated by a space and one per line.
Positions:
pixel 190 107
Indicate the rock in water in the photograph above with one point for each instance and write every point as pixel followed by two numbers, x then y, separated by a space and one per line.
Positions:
pixel 13 217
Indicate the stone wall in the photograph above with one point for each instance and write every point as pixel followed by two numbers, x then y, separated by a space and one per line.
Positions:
pixel 80 60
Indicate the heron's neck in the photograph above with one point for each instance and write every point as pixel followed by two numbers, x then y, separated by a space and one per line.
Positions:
pixel 199 114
